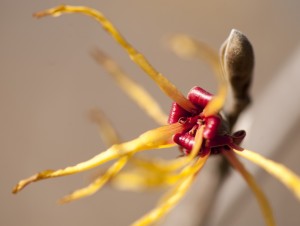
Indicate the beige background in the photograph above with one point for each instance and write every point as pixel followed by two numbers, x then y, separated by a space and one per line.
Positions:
pixel 48 82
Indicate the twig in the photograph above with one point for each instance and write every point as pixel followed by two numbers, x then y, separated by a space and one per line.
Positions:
pixel 260 123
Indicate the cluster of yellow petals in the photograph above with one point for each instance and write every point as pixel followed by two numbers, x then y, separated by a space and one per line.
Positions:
pixel 179 173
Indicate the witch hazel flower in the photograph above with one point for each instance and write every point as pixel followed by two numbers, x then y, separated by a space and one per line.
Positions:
pixel 216 133
pixel 195 124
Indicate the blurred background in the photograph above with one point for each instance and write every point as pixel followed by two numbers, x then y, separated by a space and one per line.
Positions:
pixel 49 82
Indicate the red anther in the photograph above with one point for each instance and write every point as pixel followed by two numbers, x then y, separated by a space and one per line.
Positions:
pixel 193 130
pixel 199 97
pixel 211 126
pixel 185 140
pixel 176 113
pixel 190 123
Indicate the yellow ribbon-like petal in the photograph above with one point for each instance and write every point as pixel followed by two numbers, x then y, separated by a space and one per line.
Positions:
pixel 140 179
pixel 165 85
pixel 98 183
pixel 158 173
pixel 173 196
pixel 161 166
pixel 107 132
pixel 187 47
pixel 167 205
pixel 136 92
pixel 156 138
pixel 279 171
pixel 192 168
pixel 262 200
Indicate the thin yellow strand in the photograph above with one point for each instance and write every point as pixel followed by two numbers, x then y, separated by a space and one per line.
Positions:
pixel 151 174
pixel 187 47
pixel 151 164
pixel 180 162
pixel 161 166
pixel 261 198
pixel 156 138
pixel 191 169
pixel 98 183
pixel 216 104
pixel 165 85
pixel 140 179
pixel 161 210
pixel 136 92
pixel 107 132
pixel 158 173
pixel 173 196
pixel 279 171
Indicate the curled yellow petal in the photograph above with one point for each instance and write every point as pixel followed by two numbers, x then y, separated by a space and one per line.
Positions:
pixel 98 183
pixel 150 176
pixel 262 200
pixel 279 171
pixel 157 213
pixel 161 166
pixel 174 195
pixel 216 104
pixel 156 138
pixel 188 47
pixel 165 85
pixel 193 168
pixel 136 92
pixel 140 179
pixel 180 162
pixel 107 132
pixel 158 172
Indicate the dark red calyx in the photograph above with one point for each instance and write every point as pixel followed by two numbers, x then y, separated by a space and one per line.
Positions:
pixel 238 136
pixel 226 142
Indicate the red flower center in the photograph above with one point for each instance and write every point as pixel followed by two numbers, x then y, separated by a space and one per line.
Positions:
pixel 216 135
